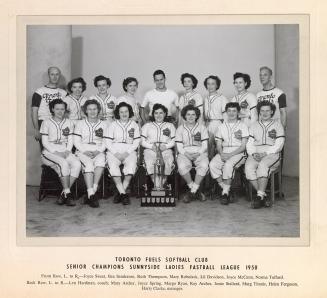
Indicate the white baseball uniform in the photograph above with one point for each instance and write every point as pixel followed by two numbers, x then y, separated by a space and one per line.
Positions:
pixel 108 105
pixel 43 96
pixel 89 137
pixel 132 102
pixel 248 104
pixel 74 107
pixel 119 138
pixel 159 133
pixel 167 98
pixel 227 134
pixel 265 137
pixel 58 137
pixel 275 96
pixel 192 140
pixel 192 98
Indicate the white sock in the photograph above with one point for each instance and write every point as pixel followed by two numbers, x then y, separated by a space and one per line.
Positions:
pixel 195 188
pixel 95 187
pixel 90 192
pixel 66 190
pixel 190 185
pixel 261 193
pixel 226 189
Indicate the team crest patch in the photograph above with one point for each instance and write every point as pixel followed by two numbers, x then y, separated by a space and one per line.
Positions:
pixel 99 132
pixel 238 134
pixel 131 132
pixel 65 131
pixel 272 134
pixel 111 105
pixel 166 132
pixel 197 137
pixel 191 102
pixel 244 104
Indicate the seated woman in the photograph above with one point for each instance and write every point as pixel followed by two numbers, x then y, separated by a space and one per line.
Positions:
pixel 122 140
pixel 88 140
pixel 75 100
pixel 192 146
pixel 159 133
pixel 57 141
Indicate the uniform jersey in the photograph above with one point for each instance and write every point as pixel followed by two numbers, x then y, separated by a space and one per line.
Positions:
pixel 58 134
pixel 227 133
pixel 89 136
pixel 122 135
pixel 107 105
pixel 192 139
pixel 43 96
pixel 214 106
pixel 74 107
pixel 275 96
pixel 247 102
pixel 163 133
pixel 132 102
pixel 193 98
pixel 265 136
pixel 167 98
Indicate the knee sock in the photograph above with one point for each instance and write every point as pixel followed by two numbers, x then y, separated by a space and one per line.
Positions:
pixel 190 185
pixel 195 188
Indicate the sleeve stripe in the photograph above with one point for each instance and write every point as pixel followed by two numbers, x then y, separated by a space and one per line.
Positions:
pixel 199 106
pixel 44 134
pixel 143 136
pixel 253 107
pixel 217 138
pixel 76 134
pixel 179 142
pixel 280 137
pixel 204 139
pixel 137 138
pixel 251 136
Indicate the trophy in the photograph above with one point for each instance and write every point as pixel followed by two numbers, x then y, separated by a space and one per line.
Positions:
pixel 159 196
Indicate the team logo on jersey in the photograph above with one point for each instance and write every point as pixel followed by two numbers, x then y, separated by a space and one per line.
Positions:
pixel 166 132
pixel 99 132
pixel 131 132
pixel 65 131
pixel 111 105
pixel 191 102
pixel 272 134
pixel 244 104
pixel 197 137
pixel 238 134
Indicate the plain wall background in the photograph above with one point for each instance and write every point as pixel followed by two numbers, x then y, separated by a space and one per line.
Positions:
pixel 121 51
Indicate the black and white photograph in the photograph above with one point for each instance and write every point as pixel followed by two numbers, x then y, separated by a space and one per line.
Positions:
pixel 162 130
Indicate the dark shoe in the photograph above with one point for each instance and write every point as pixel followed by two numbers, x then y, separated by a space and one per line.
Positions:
pixel 224 200
pixel 257 202
pixel 187 197
pixel 125 199
pixel 117 198
pixel 267 202
pixel 70 200
pixel 62 199
pixel 200 196
pixel 93 201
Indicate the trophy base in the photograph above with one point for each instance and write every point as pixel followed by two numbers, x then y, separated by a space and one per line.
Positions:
pixel 158 198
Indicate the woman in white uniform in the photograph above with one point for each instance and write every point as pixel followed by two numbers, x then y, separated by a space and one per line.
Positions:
pixel 88 140
pixel 122 140
pixel 57 141
pixel 159 133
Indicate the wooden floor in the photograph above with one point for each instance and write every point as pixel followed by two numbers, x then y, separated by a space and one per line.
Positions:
pixel 208 218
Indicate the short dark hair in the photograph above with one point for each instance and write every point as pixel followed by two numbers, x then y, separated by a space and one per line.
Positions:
pixel 218 81
pixel 232 105
pixel 91 102
pixel 265 103
pixel 123 104
pixel 129 80
pixel 101 78
pixel 245 77
pixel 192 77
pixel 190 108
pixel 159 72
pixel 267 68
pixel 54 102
pixel 158 106
pixel 76 80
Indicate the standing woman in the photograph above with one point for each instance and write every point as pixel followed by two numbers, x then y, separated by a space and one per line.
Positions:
pixel 75 100
pixel 247 101
pixel 214 109
pixel 130 86
pixel 57 140
pixel 88 140
pixel 122 140
pixel 160 133
pixel 192 146
pixel 190 97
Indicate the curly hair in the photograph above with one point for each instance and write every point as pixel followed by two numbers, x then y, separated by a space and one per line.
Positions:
pixel 245 77
pixel 123 104
pixel 91 102
pixel 54 102
pixel 232 105
pixel 77 80
pixel 192 77
pixel 101 78
pixel 218 81
pixel 190 108
pixel 129 80
pixel 265 103
pixel 158 106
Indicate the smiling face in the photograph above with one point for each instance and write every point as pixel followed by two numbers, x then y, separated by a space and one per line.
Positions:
pixel 102 86
pixel 239 84
pixel 212 85
pixel 54 75
pixel 188 83
pixel 92 111
pixel 190 117
pixel 131 88
pixel 77 89
pixel 159 115
pixel 232 113
pixel 265 113
pixel 59 111
pixel 265 77
pixel 124 113
pixel 160 81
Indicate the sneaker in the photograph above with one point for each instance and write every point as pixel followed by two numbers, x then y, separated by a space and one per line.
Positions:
pixel 70 200
pixel 257 202
pixel 93 201
pixel 117 198
pixel 62 199
pixel 224 200
pixel 125 199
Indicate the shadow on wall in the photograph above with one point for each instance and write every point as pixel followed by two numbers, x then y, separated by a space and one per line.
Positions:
pixel 77 57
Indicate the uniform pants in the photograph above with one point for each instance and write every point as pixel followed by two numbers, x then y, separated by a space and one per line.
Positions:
pixel 263 168
pixel 130 164
pixel 226 169
pixel 89 164
pixel 185 165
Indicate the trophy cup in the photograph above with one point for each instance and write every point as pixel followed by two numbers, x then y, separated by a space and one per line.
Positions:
pixel 159 196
